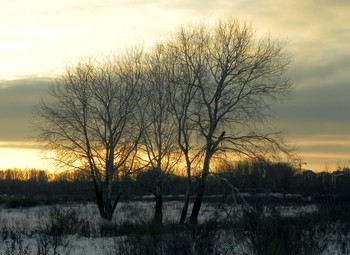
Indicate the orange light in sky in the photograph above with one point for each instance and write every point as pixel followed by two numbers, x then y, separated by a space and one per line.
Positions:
pixel 22 158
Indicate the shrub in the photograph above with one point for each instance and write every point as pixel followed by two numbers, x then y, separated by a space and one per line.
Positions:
pixel 67 221
pixel 172 239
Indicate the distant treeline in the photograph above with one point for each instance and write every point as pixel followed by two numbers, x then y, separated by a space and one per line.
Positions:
pixel 247 176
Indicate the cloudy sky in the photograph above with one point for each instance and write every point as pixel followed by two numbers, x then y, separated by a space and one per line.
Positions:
pixel 38 38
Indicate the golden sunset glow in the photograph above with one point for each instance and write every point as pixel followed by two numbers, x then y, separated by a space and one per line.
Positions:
pixel 21 158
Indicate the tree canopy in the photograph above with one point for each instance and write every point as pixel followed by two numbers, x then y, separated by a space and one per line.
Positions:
pixel 200 93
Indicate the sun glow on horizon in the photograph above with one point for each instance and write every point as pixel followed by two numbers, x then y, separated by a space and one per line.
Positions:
pixel 22 158
pixel 30 156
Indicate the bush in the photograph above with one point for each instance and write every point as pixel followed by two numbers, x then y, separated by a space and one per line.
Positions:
pixel 67 222
pixel 172 238
pixel 303 234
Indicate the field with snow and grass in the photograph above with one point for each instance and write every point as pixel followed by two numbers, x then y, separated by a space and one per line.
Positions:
pixel 223 229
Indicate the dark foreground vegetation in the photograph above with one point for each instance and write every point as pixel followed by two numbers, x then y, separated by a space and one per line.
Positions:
pixel 261 228
pixel 64 228
pixel 252 234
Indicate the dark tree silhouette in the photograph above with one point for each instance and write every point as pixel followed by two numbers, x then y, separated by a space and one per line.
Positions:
pixel 90 121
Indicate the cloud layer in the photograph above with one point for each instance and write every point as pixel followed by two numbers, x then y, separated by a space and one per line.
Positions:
pixel 17 101
pixel 39 37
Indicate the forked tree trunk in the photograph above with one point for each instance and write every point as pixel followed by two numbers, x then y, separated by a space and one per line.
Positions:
pixel 99 199
pixel 101 204
pixel 106 207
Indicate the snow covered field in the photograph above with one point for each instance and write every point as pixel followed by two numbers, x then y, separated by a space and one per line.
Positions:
pixel 37 230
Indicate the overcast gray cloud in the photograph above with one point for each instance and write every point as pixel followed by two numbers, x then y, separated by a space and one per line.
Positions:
pixel 323 102
pixel 17 100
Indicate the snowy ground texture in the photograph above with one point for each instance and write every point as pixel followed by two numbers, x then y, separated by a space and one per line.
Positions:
pixel 77 229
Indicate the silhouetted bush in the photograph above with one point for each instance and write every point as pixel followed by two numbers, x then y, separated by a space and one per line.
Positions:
pixel 67 222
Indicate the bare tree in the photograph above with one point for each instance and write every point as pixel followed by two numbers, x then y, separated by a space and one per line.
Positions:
pixel 236 77
pixel 181 91
pixel 159 136
pixel 90 121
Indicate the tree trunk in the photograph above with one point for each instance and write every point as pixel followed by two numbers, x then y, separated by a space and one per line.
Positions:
pixel 186 202
pixel 100 204
pixel 158 215
pixel 201 189
pixel 198 202
pixel 106 207
pixel 108 210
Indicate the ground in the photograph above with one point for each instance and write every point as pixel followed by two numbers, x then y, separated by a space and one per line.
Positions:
pixel 77 229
